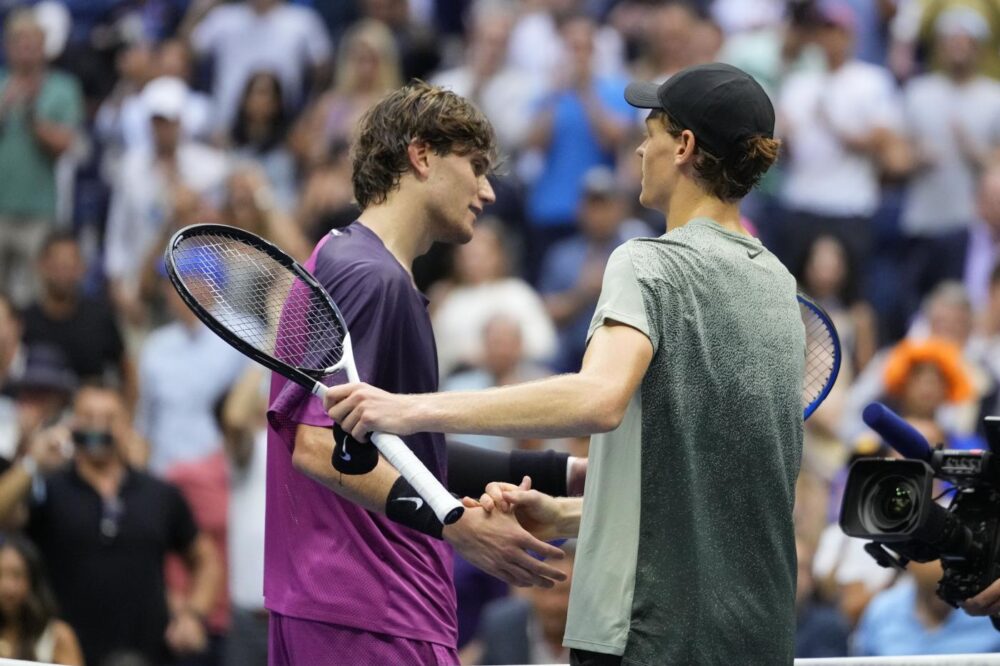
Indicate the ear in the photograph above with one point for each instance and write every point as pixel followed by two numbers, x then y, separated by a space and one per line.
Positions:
pixel 686 144
pixel 419 154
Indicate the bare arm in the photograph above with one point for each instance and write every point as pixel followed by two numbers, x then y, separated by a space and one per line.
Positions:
pixel 592 400
pixel 54 137
pixel 67 648
pixel 205 565
pixel 497 547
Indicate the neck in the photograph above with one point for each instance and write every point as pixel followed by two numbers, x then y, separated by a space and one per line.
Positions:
pixel 930 609
pixel 58 308
pixel 104 476
pixel 402 232
pixel 962 74
pixel 690 202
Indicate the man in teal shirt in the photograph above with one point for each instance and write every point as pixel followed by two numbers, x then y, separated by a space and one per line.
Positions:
pixel 40 111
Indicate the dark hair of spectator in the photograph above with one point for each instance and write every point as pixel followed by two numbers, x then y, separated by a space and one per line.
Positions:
pixel 278 129
pixel 731 178
pixel 849 292
pixel 39 607
pixel 418 112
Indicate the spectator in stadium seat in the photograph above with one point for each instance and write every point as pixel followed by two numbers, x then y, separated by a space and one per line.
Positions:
pixel 909 618
pixel 984 238
pixel 571 274
pixel 29 624
pixel 142 196
pixel 245 37
pixel 42 388
pixel 842 128
pixel 40 111
pixel 259 135
pixel 504 93
pixel 484 288
pixel 84 328
pixel 184 371
pixel 368 66
pixel 953 119
pixel 103 529
pixel 579 125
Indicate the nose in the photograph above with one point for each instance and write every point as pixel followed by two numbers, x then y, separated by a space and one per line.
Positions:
pixel 486 192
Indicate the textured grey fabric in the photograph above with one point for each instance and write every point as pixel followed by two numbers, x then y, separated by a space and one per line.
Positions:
pixel 720 444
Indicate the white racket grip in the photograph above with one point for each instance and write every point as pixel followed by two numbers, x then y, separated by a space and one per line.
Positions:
pixel 445 507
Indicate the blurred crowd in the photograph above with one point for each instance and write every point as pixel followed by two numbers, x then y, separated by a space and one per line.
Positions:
pixel 131 437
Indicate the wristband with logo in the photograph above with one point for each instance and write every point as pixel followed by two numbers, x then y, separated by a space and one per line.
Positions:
pixel 408 508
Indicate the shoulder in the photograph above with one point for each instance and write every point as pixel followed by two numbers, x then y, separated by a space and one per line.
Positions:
pixel 888 603
pixel 356 253
pixel 62 632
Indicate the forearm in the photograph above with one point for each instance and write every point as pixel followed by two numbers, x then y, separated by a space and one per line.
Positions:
pixel 14 486
pixel 562 406
pixel 312 455
pixel 55 138
pixel 206 577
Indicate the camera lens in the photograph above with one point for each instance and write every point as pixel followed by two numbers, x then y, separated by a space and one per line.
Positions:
pixel 891 504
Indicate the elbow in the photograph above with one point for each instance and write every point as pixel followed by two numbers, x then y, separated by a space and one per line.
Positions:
pixel 607 415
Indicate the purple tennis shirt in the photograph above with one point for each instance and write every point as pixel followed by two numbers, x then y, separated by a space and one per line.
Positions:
pixel 326 558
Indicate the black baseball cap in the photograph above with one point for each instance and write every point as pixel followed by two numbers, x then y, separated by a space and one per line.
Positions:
pixel 721 104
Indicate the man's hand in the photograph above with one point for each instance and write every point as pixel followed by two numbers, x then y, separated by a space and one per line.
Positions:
pixel 51 448
pixel 186 633
pixel 986 602
pixel 495 543
pixel 538 513
pixel 361 408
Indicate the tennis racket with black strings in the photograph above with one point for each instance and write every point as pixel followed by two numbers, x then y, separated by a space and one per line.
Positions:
pixel 267 306
pixel 822 355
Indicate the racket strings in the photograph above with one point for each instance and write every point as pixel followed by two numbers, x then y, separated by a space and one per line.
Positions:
pixel 821 353
pixel 255 296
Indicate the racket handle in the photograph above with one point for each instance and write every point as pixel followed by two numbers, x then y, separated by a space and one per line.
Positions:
pixel 445 507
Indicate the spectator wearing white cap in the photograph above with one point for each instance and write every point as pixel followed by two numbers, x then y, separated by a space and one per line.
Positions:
pixel 842 129
pixel 953 122
pixel 142 196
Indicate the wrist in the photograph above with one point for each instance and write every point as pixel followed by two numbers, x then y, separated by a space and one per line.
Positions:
pixel 567 522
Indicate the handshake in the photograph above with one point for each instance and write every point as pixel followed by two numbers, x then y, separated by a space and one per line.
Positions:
pixel 501 529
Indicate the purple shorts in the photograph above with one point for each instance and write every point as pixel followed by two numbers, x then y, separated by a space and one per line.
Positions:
pixel 292 642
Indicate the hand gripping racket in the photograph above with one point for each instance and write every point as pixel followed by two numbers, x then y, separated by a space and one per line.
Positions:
pixel 267 306
pixel 822 355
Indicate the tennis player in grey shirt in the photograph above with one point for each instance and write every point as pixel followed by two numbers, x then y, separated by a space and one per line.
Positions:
pixel 692 382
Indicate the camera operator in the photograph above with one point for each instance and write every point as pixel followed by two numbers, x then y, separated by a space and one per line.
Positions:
pixel 986 602
pixel 910 618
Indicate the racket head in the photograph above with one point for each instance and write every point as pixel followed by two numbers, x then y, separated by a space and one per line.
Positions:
pixel 823 354
pixel 258 299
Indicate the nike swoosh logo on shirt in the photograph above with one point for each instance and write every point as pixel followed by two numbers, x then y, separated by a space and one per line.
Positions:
pixel 754 253
pixel 417 502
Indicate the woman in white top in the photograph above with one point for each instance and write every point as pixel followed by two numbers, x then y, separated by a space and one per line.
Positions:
pixel 28 626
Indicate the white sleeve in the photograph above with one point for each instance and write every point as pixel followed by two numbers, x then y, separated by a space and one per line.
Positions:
pixel 621 298
pixel 205 35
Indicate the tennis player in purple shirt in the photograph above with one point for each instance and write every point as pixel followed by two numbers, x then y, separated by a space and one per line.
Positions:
pixel 357 568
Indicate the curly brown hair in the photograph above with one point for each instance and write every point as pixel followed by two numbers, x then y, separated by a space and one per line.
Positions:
pixel 444 121
pixel 733 177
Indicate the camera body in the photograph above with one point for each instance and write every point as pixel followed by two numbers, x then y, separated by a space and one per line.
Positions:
pixel 892 503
